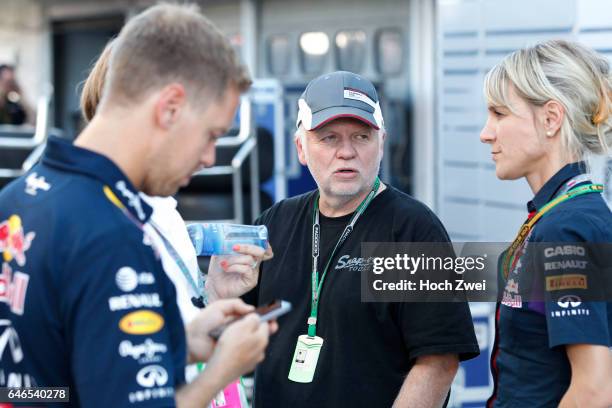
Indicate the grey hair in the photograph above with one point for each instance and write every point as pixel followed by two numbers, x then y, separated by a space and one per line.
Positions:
pixel 569 73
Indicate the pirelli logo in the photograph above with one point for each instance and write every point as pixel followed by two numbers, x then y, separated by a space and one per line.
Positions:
pixel 562 282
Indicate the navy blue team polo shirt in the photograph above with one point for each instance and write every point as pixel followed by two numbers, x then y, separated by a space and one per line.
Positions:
pixel 84 302
pixel 529 361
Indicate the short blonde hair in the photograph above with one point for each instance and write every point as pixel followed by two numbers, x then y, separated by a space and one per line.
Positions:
pixel 94 84
pixel 168 43
pixel 569 73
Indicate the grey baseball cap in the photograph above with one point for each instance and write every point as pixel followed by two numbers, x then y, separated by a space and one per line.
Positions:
pixel 340 94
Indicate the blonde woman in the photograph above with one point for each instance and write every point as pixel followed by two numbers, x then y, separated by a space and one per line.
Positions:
pixel 549 107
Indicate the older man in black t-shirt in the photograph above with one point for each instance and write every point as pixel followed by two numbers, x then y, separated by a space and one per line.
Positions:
pixel 335 350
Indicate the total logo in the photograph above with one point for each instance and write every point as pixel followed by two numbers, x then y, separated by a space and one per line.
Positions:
pixel 569 306
pixel 151 376
pixel 127 279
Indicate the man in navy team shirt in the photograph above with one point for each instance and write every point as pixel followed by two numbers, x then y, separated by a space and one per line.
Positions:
pixel 84 302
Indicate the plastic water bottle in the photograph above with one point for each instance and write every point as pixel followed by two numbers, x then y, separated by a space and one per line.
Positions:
pixel 215 238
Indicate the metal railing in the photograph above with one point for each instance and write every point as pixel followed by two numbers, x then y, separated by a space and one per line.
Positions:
pixel 247 140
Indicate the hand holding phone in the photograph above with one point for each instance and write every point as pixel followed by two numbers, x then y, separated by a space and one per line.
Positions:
pixel 266 313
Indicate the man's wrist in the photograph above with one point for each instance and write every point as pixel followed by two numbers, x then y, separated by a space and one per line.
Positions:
pixel 210 294
pixel 219 371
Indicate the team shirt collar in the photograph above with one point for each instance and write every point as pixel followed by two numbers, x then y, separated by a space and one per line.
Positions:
pixel 554 184
pixel 64 155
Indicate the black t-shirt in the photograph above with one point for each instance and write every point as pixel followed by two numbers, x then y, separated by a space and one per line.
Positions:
pixel 368 347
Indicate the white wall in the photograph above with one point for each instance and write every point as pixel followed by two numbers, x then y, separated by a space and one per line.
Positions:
pixel 472 36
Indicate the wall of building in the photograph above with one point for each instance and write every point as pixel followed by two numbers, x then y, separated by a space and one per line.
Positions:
pixel 473 35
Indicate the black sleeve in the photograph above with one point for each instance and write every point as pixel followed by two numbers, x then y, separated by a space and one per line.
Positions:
pixel 435 327
pixel 438 328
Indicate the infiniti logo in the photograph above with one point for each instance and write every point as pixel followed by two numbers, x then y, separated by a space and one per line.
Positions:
pixel 569 301
pixel 151 376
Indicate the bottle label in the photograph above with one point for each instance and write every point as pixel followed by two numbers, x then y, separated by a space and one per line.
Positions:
pixel 219 238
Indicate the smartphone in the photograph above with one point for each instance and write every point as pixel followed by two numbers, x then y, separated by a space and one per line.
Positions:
pixel 273 310
pixel 266 313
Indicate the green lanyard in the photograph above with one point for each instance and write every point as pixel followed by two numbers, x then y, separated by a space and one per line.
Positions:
pixel 510 257
pixel 316 237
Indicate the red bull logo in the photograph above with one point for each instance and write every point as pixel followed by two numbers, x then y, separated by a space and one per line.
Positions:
pixel 512 286
pixel 13 241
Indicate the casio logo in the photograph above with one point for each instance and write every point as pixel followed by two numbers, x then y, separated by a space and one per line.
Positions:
pixel 564 250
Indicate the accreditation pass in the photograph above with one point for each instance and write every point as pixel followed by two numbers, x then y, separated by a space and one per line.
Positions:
pixel 304 362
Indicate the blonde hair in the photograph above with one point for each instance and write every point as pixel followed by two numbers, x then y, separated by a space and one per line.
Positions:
pixel 94 84
pixel 168 43
pixel 569 73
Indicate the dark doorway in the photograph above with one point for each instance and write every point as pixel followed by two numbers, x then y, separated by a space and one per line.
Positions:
pixel 76 45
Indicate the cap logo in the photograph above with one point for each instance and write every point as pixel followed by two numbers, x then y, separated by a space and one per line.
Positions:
pixel 378 116
pixel 304 115
pixel 359 96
